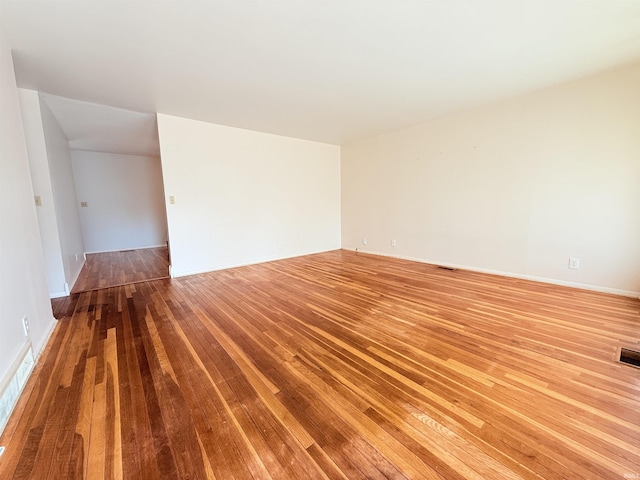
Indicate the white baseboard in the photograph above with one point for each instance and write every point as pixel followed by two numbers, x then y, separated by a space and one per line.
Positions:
pixel 176 274
pixel 72 283
pixel 552 281
pixel 124 249
pixel 13 384
pixel 45 338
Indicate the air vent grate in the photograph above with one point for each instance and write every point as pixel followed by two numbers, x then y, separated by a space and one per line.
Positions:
pixel 630 357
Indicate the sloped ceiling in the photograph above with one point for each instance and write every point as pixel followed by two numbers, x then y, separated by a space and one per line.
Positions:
pixel 331 71
pixel 99 128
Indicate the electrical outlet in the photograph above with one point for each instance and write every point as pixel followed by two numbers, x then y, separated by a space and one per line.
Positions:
pixel 394 243
pixel 574 263
pixel 364 240
pixel 84 204
pixel 38 200
pixel 25 326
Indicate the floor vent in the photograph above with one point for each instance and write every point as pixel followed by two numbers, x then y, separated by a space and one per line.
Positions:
pixel 442 267
pixel 630 357
pixel 11 387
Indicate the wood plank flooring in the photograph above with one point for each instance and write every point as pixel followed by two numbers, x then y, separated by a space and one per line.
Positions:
pixel 112 269
pixel 333 366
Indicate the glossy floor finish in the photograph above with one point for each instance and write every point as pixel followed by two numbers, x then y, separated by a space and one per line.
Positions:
pixel 334 365
pixel 111 269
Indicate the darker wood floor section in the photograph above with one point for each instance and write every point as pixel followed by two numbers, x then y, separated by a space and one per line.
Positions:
pixel 112 269
pixel 64 306
pixel 334 365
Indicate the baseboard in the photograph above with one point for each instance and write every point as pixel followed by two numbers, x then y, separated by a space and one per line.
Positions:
pixel 176 274
pixel 125 249
pixel 72 283
pixel 58 294
pixel 552 281
pixel 13 384
pixel 45 338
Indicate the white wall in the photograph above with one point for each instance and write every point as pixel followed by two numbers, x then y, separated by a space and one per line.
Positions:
pixel 41 179
pixel 244 197
pixel 23 286
pixel 64 194
pixel 516 187
pixel 125 204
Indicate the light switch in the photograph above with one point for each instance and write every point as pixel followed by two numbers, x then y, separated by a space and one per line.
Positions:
pixel 172 200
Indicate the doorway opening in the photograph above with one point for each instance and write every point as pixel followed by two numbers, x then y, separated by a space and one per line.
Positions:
pixel 99 193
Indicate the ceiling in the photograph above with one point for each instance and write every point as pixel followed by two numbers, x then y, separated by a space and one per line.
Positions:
pixel 100 128
pixel 330 71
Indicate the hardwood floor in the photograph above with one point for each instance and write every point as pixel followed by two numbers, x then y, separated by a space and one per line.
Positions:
pixel 334 365
pixel 112 269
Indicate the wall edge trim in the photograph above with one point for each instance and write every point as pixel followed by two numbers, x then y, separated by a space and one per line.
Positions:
pixel 534 278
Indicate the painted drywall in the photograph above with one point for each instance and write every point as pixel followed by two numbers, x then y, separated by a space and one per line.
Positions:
pixel 41 180
pixel 244 197
pixel 64 195
pixel 125 201
pixel 23 285
pixel 516 187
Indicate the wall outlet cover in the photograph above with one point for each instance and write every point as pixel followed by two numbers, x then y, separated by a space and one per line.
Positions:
pixel 25 326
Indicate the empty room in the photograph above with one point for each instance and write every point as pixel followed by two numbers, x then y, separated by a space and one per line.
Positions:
pixel 313 239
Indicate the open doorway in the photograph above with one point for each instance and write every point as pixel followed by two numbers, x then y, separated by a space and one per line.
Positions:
pixel 123 218
pixel 104 162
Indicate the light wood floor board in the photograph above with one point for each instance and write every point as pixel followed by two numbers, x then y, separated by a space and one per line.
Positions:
pixel 112 269
pixel 334 365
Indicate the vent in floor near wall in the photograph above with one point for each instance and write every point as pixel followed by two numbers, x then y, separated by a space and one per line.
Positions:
pixel 442 267
pixel 630 357
pixel 11 386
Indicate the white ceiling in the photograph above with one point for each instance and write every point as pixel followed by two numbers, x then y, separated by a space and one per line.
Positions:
pixel 331 71
pixel 99 128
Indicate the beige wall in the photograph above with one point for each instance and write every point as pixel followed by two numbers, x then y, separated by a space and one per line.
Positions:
pixel 42 187
pixel 516 187
pixel 244 197
pixel 64 195
pixel 125 206
pixel 23 284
